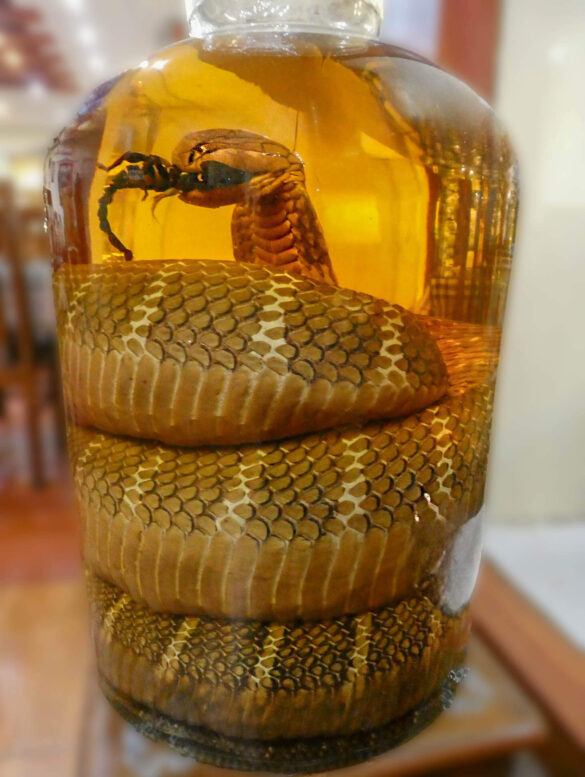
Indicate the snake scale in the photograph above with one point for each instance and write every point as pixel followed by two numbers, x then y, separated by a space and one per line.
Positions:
pixel 270 471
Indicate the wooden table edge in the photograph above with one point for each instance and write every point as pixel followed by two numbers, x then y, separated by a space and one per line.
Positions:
pixel 550 667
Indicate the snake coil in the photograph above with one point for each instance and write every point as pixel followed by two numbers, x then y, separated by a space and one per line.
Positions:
pixel 271 470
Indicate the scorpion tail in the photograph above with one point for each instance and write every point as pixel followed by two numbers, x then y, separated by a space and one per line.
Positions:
pixel 104 202
pixel 147 172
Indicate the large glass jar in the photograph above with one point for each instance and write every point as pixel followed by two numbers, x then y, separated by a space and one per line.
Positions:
pixel 281 255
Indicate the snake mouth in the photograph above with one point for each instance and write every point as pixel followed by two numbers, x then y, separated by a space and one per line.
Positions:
pixel 218 184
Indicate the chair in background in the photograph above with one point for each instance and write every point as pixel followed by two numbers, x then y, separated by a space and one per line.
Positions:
pixel 17 358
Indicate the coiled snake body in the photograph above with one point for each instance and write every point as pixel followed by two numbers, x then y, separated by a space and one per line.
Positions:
pixel 270 470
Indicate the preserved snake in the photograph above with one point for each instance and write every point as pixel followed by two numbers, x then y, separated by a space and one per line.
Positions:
pixel 199 353
pixel 270 470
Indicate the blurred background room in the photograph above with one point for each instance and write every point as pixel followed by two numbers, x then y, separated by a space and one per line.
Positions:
pixel 522 711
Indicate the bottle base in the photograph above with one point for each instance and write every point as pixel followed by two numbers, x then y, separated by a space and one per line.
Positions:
pixel 298 756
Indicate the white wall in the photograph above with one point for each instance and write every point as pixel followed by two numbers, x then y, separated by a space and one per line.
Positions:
pixel 538 460
pixel 413 24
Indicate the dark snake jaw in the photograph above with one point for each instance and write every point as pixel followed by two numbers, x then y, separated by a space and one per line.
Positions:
pixel 214 185
pixel 216 175
pixel 212 176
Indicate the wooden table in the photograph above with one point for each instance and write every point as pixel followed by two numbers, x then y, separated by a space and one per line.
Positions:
pixel 54 722
pixel 490 718
pixel 547 663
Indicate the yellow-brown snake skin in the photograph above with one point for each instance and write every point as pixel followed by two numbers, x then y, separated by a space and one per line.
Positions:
pixel 271 471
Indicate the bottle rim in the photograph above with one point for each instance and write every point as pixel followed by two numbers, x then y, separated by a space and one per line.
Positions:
pixel 358 18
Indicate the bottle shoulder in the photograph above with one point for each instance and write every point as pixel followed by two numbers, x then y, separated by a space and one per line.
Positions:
pixel 315 73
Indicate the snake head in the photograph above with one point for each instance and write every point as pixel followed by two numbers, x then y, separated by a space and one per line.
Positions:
pixel 229 165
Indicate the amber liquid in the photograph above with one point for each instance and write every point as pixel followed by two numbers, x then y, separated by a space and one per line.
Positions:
pixel 417 209
pixel 413 182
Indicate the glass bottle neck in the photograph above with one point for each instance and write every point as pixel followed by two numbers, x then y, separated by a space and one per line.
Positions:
pixel 354 17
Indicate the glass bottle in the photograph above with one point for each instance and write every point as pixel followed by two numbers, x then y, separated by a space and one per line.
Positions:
pixel 281 255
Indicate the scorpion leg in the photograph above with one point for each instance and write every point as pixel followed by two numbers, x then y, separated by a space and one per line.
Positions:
pixel 156 200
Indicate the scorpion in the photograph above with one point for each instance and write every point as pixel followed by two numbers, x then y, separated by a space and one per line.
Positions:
pixel 152 173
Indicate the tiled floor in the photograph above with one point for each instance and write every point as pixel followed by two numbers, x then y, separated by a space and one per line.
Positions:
pixel 43 631
pixel 43 673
